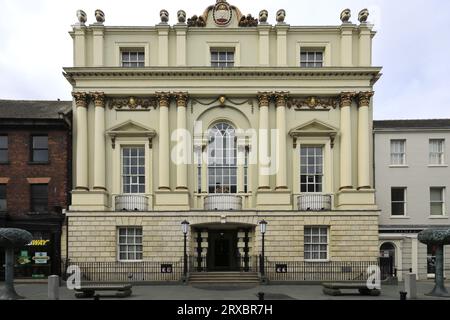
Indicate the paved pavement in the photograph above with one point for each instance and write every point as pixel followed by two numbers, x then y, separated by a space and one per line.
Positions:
pixel 272 292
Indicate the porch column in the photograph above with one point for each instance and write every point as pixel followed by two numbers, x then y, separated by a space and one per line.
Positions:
pixel 81 101
pixel 281 98
pixel 164 142
pixel 99 141
pixel 364 140
pixel 181 99
pixel 263 140
pixel 346 140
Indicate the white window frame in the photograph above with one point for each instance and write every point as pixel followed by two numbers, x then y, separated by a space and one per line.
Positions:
pixel 325 47
pixel 122 174
pixel 327 228
pixel 405 201
pixel 130 51
pixel 441 155
pixel 229 63
pixel 231 45
pixel 307 165
pixel 125 46
pixel 118 243
pixel 442 202
pixel 391 153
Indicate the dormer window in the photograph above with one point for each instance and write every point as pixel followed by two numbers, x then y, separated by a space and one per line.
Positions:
pixel 133 58
pixel 222 58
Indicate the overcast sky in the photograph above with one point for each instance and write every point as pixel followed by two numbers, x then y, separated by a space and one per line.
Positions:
pixel 412 44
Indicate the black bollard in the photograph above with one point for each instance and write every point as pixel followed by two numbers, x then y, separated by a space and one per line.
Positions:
pixel 403 295
pixel 261 296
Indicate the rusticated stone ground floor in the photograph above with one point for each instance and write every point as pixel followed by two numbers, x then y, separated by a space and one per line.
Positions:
pixel 219 236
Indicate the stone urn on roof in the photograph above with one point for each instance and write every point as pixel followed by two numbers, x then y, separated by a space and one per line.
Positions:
pixel 438 237
pixel 11 239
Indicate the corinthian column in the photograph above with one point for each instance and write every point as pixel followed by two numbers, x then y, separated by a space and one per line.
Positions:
pixel 280 102
pixel 364 140
pixel 81 102
pixel 181 99
pixel 99 141
pixel 263 140
pixel 164 142
pixel 346 140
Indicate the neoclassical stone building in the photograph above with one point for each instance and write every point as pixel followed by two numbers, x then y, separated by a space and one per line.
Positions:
pixel 222 120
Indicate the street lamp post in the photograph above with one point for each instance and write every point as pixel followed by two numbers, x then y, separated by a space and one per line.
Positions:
pixel 263 226
pixel 184 227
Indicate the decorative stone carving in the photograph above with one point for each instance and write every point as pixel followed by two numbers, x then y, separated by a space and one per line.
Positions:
pixel 81 99
pixel 281 99
pixel 281 16
pixel 164 15
pixel 312 103
pixel 196 21
pixel 100 16
pixel 222 13
pixel 181 98
pixel 181 16
pixel 132 103
pixel 264 98
pixel 363 15
pixel 99 99
pixel 347 98
pixel 346 15
pixel 248 21
pixel 364 98
pixel 263 15
pixel 82 17
pixel 163 99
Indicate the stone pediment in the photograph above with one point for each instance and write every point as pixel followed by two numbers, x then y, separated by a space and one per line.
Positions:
pixel 314 128
pixel 131 128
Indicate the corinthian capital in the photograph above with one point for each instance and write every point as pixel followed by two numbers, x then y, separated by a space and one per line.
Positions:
pixel 81 99
pixel 264 98
pixel 347 98
pixel 163 99
pixel 181 98
pixel 281 98
pixel 99 99
pixel 364 98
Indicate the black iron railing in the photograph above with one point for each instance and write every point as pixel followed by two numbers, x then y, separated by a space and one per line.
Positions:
pixel 239 263
pixel 317 271
pixel 139 271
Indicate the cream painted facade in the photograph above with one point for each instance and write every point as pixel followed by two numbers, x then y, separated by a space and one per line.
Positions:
pixel 328 107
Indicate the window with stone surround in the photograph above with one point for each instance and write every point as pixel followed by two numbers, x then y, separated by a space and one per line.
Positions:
pixel 311 169
pixel 133 170
pixel 398 201
pixel 132 58
pixel 316 243
pixel 222 57
pixel 129 243
pixel 437 151
pixel 437 201
pixel 39 198
pixel 3 149
pixel 311 58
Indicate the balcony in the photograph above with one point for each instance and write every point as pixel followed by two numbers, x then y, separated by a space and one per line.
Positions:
pixel 131 202
pixel 223 202
pixel 314 202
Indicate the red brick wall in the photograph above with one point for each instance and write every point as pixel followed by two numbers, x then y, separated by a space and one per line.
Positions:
pixel 20 169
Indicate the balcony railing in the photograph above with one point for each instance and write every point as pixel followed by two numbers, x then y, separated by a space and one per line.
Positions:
pixel 131 202
pixel 223 202
pixel 314 202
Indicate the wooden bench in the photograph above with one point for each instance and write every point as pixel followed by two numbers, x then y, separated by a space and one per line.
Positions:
pixel 88 290
pixel 334 289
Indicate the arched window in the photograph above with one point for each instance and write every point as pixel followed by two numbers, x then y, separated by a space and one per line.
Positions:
pixel 222 159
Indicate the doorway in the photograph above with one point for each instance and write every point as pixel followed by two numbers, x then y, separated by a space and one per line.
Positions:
pixel 222 250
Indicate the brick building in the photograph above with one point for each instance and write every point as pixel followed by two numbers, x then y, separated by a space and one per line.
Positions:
pixel 35 159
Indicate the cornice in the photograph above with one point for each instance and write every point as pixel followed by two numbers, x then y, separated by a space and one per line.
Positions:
pixel 372 73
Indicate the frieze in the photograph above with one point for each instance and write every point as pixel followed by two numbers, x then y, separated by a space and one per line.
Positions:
pixel 132 104
pixel 313 103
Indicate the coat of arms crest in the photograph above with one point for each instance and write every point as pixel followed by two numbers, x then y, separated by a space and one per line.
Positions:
pixel 222 13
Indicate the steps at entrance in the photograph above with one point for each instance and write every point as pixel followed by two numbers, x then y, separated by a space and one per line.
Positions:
pixel 224 278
